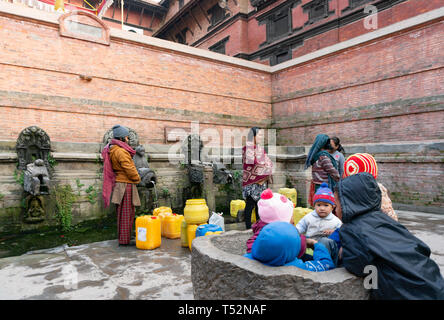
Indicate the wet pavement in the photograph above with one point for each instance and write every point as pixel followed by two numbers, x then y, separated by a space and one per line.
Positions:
pixel 105 271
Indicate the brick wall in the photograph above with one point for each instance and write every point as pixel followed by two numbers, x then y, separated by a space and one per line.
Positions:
pixel 139 86
pixel 383 92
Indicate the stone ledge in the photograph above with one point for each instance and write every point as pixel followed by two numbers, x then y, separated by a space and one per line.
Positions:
pixel 219 271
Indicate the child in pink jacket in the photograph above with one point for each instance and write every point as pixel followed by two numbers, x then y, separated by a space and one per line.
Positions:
pixel 273 207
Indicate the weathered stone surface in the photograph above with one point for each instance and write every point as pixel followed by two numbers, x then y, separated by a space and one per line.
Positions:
pixel 219 271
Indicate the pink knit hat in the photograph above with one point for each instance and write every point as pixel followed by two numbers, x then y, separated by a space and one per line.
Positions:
pixel 274 207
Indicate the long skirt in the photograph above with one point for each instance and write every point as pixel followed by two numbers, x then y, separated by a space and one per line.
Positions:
pixel 313 188
pixel 125 216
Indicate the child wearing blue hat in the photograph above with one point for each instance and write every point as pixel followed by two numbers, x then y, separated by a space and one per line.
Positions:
pixel 321 222
pixel 279 243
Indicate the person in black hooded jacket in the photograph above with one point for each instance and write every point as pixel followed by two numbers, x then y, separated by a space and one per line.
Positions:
pixel 371 238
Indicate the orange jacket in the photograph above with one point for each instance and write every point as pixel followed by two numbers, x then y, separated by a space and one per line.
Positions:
pixel 123 165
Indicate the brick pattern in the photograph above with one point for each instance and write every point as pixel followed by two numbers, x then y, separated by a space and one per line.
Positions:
pixel 138 86
pixel 398 73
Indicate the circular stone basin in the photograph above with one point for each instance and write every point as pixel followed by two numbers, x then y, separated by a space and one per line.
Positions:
pixel 219 271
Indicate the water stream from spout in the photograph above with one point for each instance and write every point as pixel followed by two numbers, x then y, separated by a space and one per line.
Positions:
pixel 155 192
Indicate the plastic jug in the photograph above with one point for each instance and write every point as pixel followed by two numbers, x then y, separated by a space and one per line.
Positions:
pixel 148 232
pixel 156 211
pixel 183 234
pixel 299 213
pixel 203 229
pixel 211 232
pixel 172 226
pixel 290 193
pixel 162 215
pixel 235 206
pixel 191 233
pixel 253 215
pixel 196 211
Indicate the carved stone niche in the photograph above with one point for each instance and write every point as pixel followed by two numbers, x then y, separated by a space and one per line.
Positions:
pixel 133 138
pixel 33 143
pixel 84 26
pixel 35 211
pixel 192 148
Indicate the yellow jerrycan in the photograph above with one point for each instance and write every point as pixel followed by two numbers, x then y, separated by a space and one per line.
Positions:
pixel 290 193
pixel 183 234
pixel 196 211
pixel 162 215
pixel 298 214
pixel 158 210
pixel 235 206
pixel 191 233
pixel 148 232
pixel 172 226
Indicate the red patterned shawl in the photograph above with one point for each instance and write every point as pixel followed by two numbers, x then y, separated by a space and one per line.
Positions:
pixel 256 164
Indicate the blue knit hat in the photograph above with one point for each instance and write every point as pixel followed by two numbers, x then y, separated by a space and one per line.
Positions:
pixel 120 131
pixel 324 194
pixel 277 244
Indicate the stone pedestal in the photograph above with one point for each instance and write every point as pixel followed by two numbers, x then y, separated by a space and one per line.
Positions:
pixel 209 189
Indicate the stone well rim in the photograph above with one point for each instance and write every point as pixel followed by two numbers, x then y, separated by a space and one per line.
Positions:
pixel 206 246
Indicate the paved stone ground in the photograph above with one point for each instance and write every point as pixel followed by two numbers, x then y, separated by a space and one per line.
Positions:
pixel 107 271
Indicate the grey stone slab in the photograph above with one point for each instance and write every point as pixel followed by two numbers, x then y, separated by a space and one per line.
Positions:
pixel 219 271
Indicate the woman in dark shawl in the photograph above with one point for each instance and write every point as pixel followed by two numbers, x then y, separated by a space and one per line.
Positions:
pixel 324 166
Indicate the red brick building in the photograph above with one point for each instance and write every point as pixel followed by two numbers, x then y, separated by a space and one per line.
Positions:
pixel 274 31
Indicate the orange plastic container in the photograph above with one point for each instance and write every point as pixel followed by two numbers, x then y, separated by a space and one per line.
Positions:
pixel 171 226
pixel 148 232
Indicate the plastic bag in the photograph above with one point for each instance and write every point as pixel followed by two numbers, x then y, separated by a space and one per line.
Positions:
pixel 216 218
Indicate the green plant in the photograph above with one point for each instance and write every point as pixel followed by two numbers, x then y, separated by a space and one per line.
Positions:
pixel 165 193
pixel 79 186
pixel 1 196
pixel 288 183
pixel 64 198
pixel 19 177
pixel 91 194
pixel 52 162
pixel 233 190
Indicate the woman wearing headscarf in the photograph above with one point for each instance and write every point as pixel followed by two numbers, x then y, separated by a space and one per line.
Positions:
pixel 120 178
pixel 337 152
pixel 324 165
pixel 257 170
